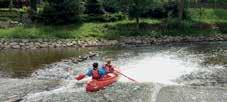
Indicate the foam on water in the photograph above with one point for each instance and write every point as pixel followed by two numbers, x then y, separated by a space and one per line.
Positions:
pixel 161 68
pixel 68 86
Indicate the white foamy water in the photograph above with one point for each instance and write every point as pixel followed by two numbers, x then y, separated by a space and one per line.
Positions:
pixel 68 87
pixel 160 68
pixel 145 66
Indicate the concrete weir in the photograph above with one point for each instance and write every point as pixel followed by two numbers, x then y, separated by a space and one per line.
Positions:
pixel 32 90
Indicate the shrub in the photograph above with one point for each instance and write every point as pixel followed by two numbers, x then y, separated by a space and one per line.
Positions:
pixel 4 3
pixel 222 27
pixel 61 11
pixel 104 18
pixel 16 3
pixel 217 1
pixel 110 6
pixel 94 7
pixel 163 11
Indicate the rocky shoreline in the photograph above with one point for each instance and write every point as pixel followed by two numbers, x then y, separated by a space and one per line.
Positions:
pixel 123 41
pixel 52 43
pixel 146 40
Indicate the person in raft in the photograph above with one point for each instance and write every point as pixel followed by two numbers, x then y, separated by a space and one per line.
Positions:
pixel 109 68
pixel 95 72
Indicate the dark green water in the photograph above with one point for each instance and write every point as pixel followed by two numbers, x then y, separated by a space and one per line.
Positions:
pixel 21 63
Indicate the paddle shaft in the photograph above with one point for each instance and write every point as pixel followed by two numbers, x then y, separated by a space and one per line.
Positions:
pixel 127 77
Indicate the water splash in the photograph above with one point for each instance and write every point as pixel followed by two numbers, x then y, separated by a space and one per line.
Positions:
pixel 68 86
pixel 161 68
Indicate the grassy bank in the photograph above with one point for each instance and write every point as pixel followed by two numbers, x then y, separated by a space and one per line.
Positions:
pixel 203 22
pixel 211 16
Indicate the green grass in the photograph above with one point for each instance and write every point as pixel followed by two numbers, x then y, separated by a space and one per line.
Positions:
pixel 14 14
pixel 40 31
pixel 106 30
pixel 209 15
pixel 198 25
pixel 217 1
pixel 78 31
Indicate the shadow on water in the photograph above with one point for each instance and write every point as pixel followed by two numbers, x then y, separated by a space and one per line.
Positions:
pixel 21 63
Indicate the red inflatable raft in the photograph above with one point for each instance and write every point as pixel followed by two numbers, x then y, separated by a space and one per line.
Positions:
pixel 95 85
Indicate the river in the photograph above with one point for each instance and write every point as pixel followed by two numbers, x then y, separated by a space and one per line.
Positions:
pixel 171 68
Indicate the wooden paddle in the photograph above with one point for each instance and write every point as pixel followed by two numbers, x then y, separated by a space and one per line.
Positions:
pixel 127 76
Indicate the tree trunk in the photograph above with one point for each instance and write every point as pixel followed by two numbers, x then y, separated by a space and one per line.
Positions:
pixel 180 9
pixel 11 4
pixel 33 5
pixel 137 23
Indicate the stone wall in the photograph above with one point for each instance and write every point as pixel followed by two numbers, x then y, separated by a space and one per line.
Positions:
pixel 52 43
pixel 123 41
pixel 146 40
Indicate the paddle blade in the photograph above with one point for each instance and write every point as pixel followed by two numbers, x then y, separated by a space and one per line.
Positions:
pixel 80 77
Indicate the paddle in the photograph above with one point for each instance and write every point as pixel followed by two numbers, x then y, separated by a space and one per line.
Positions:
pixel 127 76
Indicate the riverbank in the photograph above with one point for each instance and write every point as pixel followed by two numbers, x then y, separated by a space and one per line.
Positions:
pixel 205 24
pixel 201 22
pixel 123 41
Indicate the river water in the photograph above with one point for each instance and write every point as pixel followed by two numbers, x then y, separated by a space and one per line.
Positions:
pixel 166 64
pixel 190 64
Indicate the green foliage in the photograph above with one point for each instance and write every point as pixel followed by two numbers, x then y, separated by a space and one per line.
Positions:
pixel 209 15
pixel 109 6
pixel 154 28
pixel 101 24
pixel 217 1
pixel 94 7
pixel 108 17
pixel 4 3
pixel 33 5
pixel 136 8
pixel 133 8
pixel 61 11
pixel 113 30
pixel 16 3
pixel 11 15
pixel 162 10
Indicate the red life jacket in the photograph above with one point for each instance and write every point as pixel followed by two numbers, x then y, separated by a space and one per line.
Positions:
pixel 108 68
pixel 95 74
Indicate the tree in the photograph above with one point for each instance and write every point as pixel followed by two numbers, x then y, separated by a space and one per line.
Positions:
pixel 180 9
pixel 62 11
pixel 94 7
pixel 33 5
pixel 11 4
pixel 135 8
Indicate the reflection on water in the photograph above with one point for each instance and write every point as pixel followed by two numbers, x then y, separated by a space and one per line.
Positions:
pixel 157 63
pixel 20 63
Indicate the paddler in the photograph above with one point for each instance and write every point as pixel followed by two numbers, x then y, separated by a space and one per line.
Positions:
pixel 109 68
pixel 95 72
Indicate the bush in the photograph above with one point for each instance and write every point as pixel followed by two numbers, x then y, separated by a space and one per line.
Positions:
pixel 94 7
pixel 104 18
pixel 222 27
pixel 16 3
pixel 4 3
pixel 110 6
pixel 163 11
pixel 61 11
pixel 217 1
